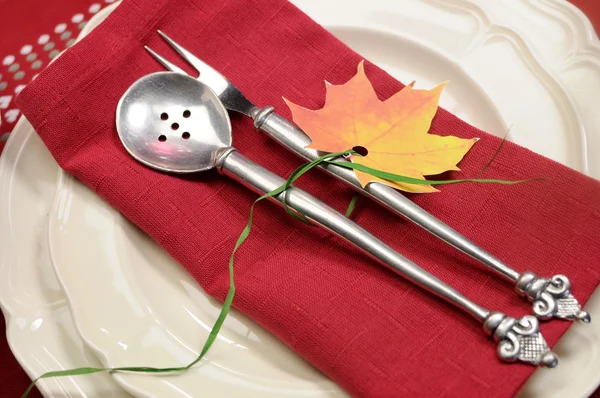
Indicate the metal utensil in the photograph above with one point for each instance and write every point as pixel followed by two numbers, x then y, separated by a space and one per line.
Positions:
pixel 175 123
pixel 551 297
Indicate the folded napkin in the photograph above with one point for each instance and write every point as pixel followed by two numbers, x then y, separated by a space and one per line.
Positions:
pixel 369 330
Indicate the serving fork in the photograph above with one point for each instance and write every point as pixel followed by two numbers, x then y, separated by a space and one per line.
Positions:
pixel 551 297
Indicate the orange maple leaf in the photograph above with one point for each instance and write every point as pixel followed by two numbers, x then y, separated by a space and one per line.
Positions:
pixel 394 132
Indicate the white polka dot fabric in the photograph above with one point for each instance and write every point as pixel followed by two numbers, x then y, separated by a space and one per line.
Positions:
pixel 26 54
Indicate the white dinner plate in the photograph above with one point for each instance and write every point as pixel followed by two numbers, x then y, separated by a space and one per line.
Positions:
pixel 488 52
pixel 39 326
pixel 544 49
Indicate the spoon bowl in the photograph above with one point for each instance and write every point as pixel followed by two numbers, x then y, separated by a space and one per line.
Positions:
pixel 173 123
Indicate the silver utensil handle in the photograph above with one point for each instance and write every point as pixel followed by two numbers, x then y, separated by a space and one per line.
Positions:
pixel 514 336
pixel 290 136
pixel 261 180
pixel 551 297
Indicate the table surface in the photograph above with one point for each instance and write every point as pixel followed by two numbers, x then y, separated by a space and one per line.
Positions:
pixel 32 33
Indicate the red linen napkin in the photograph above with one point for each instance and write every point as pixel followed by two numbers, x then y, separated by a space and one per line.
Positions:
pixel 369 330
pixel 591 9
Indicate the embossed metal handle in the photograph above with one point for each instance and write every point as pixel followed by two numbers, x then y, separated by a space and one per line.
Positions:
pixel 551 297
pixel 515 337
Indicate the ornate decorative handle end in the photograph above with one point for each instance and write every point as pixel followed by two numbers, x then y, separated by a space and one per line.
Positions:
pixel 519 340
pixel 551 298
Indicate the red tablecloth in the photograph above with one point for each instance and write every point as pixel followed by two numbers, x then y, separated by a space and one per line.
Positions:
pixel 32 33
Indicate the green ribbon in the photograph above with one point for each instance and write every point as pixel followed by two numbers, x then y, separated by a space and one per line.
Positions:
pixel 326 159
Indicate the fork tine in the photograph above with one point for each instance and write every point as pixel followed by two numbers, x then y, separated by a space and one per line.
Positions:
pixel 163 61
pixel 188 56
pixel 232 97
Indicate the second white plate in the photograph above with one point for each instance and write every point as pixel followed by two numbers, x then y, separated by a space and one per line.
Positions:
pixel 114 298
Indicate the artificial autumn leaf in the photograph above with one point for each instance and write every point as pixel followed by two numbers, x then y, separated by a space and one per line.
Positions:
pixel 394 132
